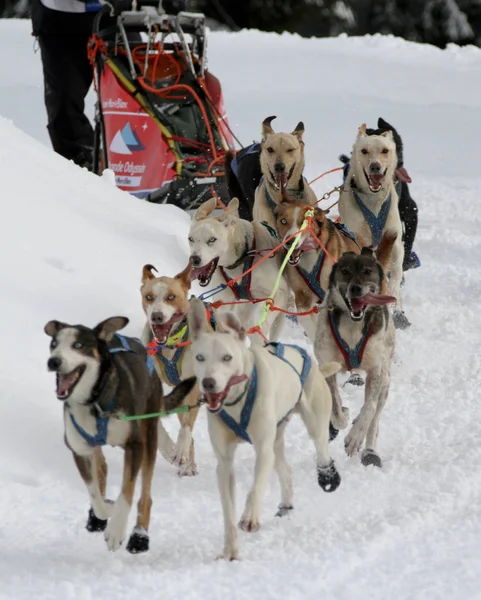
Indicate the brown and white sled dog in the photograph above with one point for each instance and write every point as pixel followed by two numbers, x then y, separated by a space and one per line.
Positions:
pixel 357 330
pixel 282 166
pixel 102 376
pixel 368 205
pixel 310 266
pixel 251 394
pixel 165 301
pixel 223 248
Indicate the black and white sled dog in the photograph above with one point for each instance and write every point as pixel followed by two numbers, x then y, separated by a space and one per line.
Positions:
pixel 357 330
pixel 102 376
pixel 251 394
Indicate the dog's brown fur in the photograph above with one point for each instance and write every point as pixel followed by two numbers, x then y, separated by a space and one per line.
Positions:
pixel 289 219
pixel 281 149
pixel 179 287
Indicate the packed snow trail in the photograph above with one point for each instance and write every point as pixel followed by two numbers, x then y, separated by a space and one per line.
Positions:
pixel 73 248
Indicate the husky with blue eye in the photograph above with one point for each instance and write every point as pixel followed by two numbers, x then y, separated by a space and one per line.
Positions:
pixel 251 395
pixel 102 376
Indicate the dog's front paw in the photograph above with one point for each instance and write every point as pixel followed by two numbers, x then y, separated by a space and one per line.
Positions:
pixel 116 530
pixel 188 469
pixel 228 555
pixel 249 524
pixel 138 541
pixel 355 379
pixel 371 457
pixel 328 477
pixel 354 439
pixel 284 509
pixel 94 523
pixel 103 509
pixel 400 320
pixel 333 432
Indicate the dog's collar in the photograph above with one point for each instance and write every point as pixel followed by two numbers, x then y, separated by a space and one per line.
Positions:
pixel 298 193
pixel 242 257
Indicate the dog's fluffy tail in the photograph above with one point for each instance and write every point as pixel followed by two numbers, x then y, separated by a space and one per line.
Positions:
pixel 330 368
pixel 178 394
pixel 384 250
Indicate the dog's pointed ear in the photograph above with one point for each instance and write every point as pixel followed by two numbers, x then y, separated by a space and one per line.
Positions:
pixel 299 131
pixel 382 124
pixel 385 249
pixel 362 130
pixel 185 276
pixel 147 272
pixel 229 323
pixel 205 210
pixel 106 329
pixel 53 327
pixel 231 213
pixel 320 215
pixel 197 318
pixel 266 127
pixel 388 134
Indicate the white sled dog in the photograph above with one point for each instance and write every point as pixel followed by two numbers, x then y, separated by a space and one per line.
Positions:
pixel 223 248
pixel 251 394
pixel 368 205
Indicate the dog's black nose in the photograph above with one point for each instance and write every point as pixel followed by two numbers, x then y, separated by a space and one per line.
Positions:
pixel 195 260
pixel 208 383
pixel 279 167
pixel 54 363
pixel 356 290
pixel 157 318
pixel 375 167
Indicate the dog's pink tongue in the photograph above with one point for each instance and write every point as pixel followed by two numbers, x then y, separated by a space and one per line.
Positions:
pixel 281 180
pixel 403 175
pixel 65 382
pixel 371 299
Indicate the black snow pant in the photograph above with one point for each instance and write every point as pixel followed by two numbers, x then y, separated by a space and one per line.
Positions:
pixel 67 79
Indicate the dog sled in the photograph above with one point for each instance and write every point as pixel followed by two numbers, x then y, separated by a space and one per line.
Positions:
pixel 160 121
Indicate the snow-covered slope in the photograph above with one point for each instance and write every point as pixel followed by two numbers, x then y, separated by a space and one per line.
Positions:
pixel 73 247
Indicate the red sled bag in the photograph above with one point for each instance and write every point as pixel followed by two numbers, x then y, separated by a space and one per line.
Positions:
pixel 161 124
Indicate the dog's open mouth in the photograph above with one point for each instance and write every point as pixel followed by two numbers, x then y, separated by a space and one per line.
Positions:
pixel 162 331
pixel 307 244
pixel 375 180
pixel 204 274
pixel 66 382
pixel 215 401
pixel 357 305
pixel 281 179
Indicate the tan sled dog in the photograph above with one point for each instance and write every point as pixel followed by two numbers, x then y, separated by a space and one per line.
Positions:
pixel 165 301
pixel 310 265
pixel 282 166
pixel 368 205
pixel 357 330
pixel 251 395
pixel 102 377
pixel 225 247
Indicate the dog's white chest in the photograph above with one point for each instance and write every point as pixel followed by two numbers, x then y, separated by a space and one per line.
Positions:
pixel 83 430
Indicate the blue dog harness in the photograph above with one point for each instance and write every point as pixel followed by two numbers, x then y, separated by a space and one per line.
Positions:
pixel 352 356
pixel 313 278
pixel 240 429
pixel 376 224
pixel 170 366
pixel 252 149
pixel 102 421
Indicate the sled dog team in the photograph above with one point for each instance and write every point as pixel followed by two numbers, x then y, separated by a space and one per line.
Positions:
pixel 349 274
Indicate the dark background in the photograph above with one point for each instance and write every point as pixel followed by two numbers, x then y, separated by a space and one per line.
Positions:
pixel 437 22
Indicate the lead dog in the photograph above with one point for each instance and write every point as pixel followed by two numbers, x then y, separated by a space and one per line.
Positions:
pixel 165 301
pixel 102 376
pixel 368 204
pixel 310 264
pixel 282 167
pixel 251 394
pixel 222 249
pixel 357 330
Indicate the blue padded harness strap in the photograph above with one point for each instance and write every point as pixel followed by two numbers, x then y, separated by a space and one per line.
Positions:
pixel 376 224
pixel 101 422
pixel 238 158
pixel 313 278
pixel 352 356
pixel 240 429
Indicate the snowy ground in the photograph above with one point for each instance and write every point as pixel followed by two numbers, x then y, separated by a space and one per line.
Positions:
pixel 73 247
